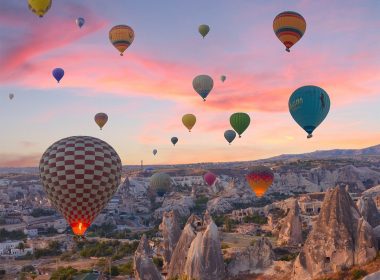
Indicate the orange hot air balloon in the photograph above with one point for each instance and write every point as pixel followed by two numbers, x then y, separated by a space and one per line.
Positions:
pixel 101 119
pixel 80 174
pixel 121 37
pixel 260 178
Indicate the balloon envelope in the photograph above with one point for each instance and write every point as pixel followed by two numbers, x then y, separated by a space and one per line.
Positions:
pixel 309 106
pixel 11 95
pixel 203 29
pixel 260 178
pixel 121 37
pixel 80 174
pixel 58 74
pixel 229 135
pixel 223 78
pixel 203 84
pixel 240 122
pixel 289 27
pixel 101 119
pixel 209 178
pixel 160 183
pixel 80 21
pixel 154 151
pixel 189 121
pixel 39 7
pixel 174 140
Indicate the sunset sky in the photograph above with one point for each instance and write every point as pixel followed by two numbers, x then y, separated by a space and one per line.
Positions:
pixel 146 92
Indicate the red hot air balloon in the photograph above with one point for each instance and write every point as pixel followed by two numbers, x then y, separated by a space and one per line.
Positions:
pixel 80 174
pixel 260 178
pixel 209 178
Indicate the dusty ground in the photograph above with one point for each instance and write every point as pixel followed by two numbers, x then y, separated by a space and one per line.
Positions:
pixel 237 240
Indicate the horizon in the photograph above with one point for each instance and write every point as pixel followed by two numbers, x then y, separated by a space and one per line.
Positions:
pixel 146 92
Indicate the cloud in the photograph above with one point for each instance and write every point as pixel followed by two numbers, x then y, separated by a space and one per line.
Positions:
pixel 16 160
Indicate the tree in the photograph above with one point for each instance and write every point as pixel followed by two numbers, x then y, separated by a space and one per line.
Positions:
pixel 21 246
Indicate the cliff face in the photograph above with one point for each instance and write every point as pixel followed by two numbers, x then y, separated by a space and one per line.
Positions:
pixel 368 210
pixel 291 227
pixel 198 253
pixel 339 239
pixel 171 233
pixel 253 259
pixel 144 266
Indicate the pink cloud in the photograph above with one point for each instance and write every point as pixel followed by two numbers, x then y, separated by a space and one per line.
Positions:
pixel 15 160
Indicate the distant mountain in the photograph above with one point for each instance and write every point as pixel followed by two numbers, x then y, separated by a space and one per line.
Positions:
pixel 337 153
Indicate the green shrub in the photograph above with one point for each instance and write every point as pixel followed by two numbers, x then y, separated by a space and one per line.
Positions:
pixel 158 261
pixel 127 268
pixel 64 273
pixel 358 274
pixel 225 246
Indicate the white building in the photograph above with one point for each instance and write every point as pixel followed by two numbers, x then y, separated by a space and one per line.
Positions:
pixel 31 232
pixel 7 246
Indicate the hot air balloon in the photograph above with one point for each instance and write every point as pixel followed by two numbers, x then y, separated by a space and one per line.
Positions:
pixel 80 174
pixel 309 106
pixel 121 37
pixel 229 135
pixel 223 78
pixel 203 84
pixel 189 120
pixel 260 178
pixel 240 122
pixel 289 27
pixel 101 119
pixel 39 7
pixel 11 95
pixel 154 151
pixel 58 74
pixel 174 140
pixel 203 29
pixel 160 183
pixel 79 21
pixel 209 178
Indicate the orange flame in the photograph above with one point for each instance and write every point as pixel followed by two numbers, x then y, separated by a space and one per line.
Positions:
pixel 79 228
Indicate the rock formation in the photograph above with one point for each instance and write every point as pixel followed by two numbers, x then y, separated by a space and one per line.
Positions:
pixel 198 253
pixel 144 266
pixel 171 233
pixel 339 239
pixel 291 227
pixel 253 259
pixel 178 259
pixel 368 210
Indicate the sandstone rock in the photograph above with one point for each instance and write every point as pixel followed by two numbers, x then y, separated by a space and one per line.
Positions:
pixel 368 210
pixel 144 266
pixel 175 201
pixel 171 233
pixel 339 239
pixel 253 259
pixel 291 227
pixel 178 259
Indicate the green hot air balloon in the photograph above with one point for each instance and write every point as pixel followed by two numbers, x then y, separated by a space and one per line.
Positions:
pixel 203 29
pixel 160 182
pixel 240 122
pixel 309 106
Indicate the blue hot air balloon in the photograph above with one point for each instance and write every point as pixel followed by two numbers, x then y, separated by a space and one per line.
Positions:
pixel 174 140
pixel 309 106
pixel 80 22
pixel 230 135
pixel 58 73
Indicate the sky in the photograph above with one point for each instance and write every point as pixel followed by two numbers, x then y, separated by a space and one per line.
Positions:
pixel 147 91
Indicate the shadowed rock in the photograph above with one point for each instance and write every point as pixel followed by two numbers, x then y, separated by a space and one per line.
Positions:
pixel 291 227
pixel 339 239
pixel 368 210
pixel 144 266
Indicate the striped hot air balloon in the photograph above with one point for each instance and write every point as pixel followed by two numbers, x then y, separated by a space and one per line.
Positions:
pixel 121 37
pixel 260 178
pixel 240 122
pixel 80 174
pixel 289 27
pixel 101 119
pixel 160 182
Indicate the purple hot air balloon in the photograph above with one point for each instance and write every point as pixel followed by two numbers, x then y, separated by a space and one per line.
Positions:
pixel 209 178
pixel 58 74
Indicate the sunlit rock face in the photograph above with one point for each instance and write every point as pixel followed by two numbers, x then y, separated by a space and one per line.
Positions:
pixel 340 239
pixel 144 266
pixel 291 227
pixel 253 259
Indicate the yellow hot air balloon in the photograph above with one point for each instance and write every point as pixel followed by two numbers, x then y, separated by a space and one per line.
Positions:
pixel 101 119
pixel 39 7
pixel 189 121
pixel 289 28
pixel 121 37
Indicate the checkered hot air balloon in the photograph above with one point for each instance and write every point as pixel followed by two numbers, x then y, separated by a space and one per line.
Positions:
pixel 80 174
